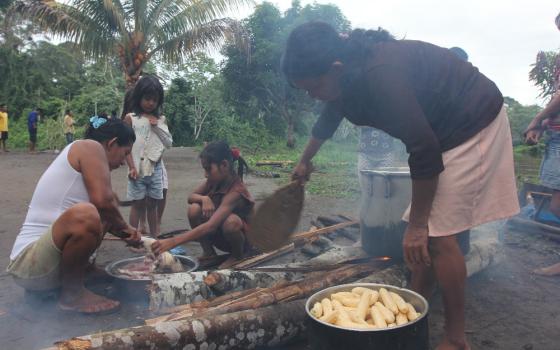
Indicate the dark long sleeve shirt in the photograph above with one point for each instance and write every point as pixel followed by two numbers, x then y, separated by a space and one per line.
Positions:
pixel 419 93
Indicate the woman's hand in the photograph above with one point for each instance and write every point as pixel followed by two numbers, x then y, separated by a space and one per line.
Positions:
pixel 532 136
pixel 163 245
pixel 207 207
pixel 153 120
pixel 415 246
pixel 533 133
pixel 302 171
pixel 134 237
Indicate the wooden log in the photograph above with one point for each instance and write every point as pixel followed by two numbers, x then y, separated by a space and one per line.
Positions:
pixel 261 258
pixel 328 229
pixel 270 326
pixel 533 226
pixel 277 294
pixel 168 290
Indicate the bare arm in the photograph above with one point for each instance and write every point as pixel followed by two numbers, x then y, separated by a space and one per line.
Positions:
pixel 197 195
pixel 550 111
pixel 162 131
pixel 230 201
pixel 534 129
pixel 91 161
pixel 304 166
pixel 313 146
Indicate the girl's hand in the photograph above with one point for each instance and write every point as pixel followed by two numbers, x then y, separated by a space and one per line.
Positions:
pixel 153 120
pixel 302 171
pixel 415 246
pixel 132 174
pixel 163 245
pixel 532 136
pixel 207 207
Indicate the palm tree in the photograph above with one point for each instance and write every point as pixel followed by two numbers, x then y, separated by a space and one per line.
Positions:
pixel 137 30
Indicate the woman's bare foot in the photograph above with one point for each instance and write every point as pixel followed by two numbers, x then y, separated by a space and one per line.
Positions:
pixel 447 344
pixel 551 270
pixel 86 302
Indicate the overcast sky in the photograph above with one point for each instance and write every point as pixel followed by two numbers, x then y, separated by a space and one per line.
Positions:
pixel 502 37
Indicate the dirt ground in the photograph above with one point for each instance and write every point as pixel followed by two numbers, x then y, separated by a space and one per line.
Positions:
pixel 507 306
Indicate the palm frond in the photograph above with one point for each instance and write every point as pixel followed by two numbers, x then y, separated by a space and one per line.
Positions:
pixel 209 35
pixel 68 22
pixel 184 15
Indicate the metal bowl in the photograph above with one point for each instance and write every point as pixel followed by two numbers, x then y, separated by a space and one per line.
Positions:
pixel 411 336
pixel 190 264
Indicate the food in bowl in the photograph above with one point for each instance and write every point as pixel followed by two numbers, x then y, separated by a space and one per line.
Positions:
pixel 364 308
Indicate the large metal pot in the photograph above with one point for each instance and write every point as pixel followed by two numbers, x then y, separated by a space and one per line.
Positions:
pixel 386 193
pixel 135 289
pixel 411 336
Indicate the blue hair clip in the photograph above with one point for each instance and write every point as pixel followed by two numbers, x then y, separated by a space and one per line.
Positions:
pixel 96 121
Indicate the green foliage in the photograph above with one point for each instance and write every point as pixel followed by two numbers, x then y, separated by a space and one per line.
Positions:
pixel 336 172
pixel 176 110
pixel 50 134
pixel 134 31
pixel 255 85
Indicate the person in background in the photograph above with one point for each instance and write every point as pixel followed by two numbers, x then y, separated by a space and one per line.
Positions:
pixel 218 208
pixel 69 126
pixel 113 114
pixel 548 120
pixel 453 122
pixel 4 127
pixel 145 184
pixel 32 121
pixel 72 207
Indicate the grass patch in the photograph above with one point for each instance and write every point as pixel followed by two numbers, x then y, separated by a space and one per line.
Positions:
pixel 335 176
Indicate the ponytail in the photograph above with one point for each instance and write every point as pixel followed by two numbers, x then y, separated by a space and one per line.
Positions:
pixel 242 165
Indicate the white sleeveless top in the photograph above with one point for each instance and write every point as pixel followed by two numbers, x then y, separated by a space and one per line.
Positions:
pixel 59 188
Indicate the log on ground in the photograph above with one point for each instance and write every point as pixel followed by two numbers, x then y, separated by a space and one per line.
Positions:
pixel 270 326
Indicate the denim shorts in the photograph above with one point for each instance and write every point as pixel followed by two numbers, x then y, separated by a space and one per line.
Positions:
pixel 147 186
pixel 550 166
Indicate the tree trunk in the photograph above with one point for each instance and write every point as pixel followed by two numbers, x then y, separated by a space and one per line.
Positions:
pixel 290 141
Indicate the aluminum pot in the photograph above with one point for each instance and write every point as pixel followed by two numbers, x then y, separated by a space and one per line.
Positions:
pixel 135 289
pixel 411 336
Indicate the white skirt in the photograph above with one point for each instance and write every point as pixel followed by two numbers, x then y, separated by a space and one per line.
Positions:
pixel 478 183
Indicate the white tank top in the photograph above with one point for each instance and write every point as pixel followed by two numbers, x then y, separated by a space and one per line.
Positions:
pixel 59 188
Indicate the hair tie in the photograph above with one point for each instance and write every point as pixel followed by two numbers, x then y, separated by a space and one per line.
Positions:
pixel 235 153
pixel 96 121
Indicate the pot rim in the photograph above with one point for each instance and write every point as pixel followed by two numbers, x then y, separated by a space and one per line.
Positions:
pixel 348 287
pixel 110 268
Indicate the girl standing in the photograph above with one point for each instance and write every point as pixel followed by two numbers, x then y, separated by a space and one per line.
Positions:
pixel 145 184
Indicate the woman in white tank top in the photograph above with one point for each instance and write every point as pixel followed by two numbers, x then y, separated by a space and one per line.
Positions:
pixel 72 207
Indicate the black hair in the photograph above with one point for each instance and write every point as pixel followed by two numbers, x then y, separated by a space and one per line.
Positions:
pixel 110 129
pixel 218 151
pixel 67 111
pixel 557 21
pixel 462 54
pixel 148 85
pixel 312 47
